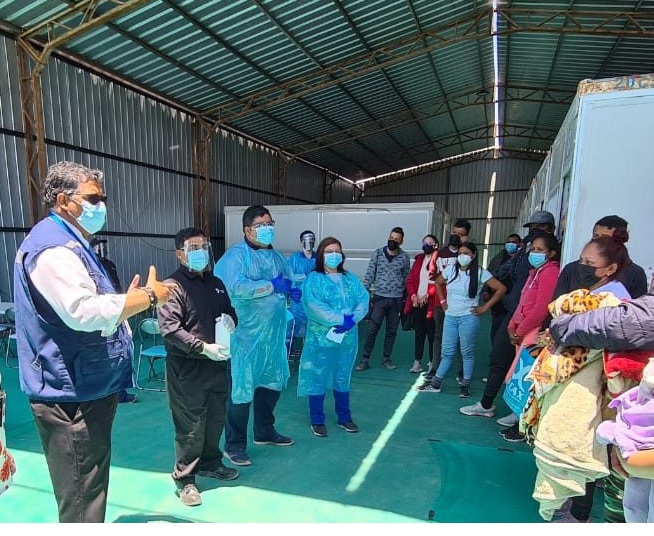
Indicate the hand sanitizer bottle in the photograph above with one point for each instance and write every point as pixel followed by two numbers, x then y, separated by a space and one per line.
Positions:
pixel 222 336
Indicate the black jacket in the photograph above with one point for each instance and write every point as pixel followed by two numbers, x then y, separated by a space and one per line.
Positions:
pixel 188 318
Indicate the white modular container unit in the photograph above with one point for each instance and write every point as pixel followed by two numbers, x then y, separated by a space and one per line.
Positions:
pixel 601 163
pixel 361 228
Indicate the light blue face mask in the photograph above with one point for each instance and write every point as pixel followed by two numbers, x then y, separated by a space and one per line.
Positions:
pixel 266 235
pixel 537 259
pixel 333 259
pixel 197 260
pixel 511 247
pixel 93 217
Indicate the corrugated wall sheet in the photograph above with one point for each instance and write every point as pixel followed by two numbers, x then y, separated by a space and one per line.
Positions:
pixel 145 149
pixel 465 191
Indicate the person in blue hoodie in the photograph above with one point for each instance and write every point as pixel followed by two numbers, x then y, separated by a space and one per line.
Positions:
pixel 301 263
pixel 74 347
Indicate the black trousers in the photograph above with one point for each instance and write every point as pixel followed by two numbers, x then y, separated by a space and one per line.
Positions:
pixel 197 397
pixel 76 439
pixel 388 309
pixel 496 321
pixel 499 363
pixel 238 415
pixel 423 328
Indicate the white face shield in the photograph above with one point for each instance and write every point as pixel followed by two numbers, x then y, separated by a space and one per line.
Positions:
pixel 199 255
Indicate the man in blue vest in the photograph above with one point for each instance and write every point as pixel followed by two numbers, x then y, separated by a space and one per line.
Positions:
pixel 74 347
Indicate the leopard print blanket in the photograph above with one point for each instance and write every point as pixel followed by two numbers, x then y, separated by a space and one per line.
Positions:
pixel 557 364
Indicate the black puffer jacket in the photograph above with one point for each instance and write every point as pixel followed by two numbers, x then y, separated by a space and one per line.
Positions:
pixel 628 326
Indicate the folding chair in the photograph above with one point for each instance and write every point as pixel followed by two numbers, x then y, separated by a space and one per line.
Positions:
pixel 293 347
pixel 9 326
pixel 151 349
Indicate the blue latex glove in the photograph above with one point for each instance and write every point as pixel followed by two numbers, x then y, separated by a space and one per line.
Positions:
pixel 281 285
pixel 348 324
pixel 295 294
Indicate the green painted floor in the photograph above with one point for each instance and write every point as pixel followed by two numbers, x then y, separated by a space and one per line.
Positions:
pixel 415 459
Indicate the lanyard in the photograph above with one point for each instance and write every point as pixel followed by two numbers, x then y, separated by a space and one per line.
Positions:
pixel 59 221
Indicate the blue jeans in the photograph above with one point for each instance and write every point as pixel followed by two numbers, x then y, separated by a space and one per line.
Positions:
pixel 459 330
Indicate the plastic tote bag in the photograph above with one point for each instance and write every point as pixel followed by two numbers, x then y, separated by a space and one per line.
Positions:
pixel 7 463
pixel 517 387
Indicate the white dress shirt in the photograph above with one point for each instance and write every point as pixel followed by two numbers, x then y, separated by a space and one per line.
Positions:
pixel 64 282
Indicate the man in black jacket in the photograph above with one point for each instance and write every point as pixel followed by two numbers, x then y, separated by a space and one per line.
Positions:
pixel 196 366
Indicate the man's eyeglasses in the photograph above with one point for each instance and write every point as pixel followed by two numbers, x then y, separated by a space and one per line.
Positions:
pixel 94 199
pixel 270 223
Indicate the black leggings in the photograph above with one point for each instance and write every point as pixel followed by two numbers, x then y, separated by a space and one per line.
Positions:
pixel 424 328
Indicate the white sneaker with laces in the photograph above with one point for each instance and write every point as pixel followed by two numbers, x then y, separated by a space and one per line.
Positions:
pixel 478 410
pixel 509 420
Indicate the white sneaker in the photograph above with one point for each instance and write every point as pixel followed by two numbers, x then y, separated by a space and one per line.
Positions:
pixel 509 420
pixel 417 367
pixel 478 410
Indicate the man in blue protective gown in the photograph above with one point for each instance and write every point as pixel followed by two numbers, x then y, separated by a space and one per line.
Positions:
pixel 302 262
pixel 258 280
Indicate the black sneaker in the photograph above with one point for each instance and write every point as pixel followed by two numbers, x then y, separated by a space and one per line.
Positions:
pixel 126 398
pixel 464 391
pixel 512 435
pixel 238 457
pixel 429 375
pixel 221 473
pixel 430 387
pixel 319 430
pixel 278 440
pixel 349 427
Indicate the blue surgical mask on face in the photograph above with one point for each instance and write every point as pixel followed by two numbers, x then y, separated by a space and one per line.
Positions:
pixel 333 259
pixel 197 260
pixel 511 247
pixel 266 235
pixel 93 217
pixel 537 259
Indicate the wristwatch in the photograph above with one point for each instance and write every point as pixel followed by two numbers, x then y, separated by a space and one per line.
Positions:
pixel 153 297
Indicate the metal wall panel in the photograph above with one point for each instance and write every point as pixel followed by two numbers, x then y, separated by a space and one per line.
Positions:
pixel 10 113
pixel 464 191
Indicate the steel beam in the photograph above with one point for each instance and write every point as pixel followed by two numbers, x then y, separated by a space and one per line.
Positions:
pixel 33 56
pixel 202 135
pixel 283 163
pixel 472 27
pixel 484 154
pixel 433 110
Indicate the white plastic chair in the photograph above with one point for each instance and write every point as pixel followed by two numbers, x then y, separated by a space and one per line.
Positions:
pixel 151 349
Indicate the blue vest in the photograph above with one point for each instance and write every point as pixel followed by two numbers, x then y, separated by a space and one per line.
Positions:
pixel 57 363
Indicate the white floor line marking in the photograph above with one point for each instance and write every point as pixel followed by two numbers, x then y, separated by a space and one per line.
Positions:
pixel 384 436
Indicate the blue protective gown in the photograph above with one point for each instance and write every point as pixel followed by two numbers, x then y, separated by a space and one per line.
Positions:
pixel 258 346
pixel 325 364
pixel 300 267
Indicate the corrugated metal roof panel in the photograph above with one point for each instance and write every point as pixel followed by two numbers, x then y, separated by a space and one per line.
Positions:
pixel 292 72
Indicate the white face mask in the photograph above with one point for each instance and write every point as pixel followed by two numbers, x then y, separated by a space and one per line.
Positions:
pixel 464 260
